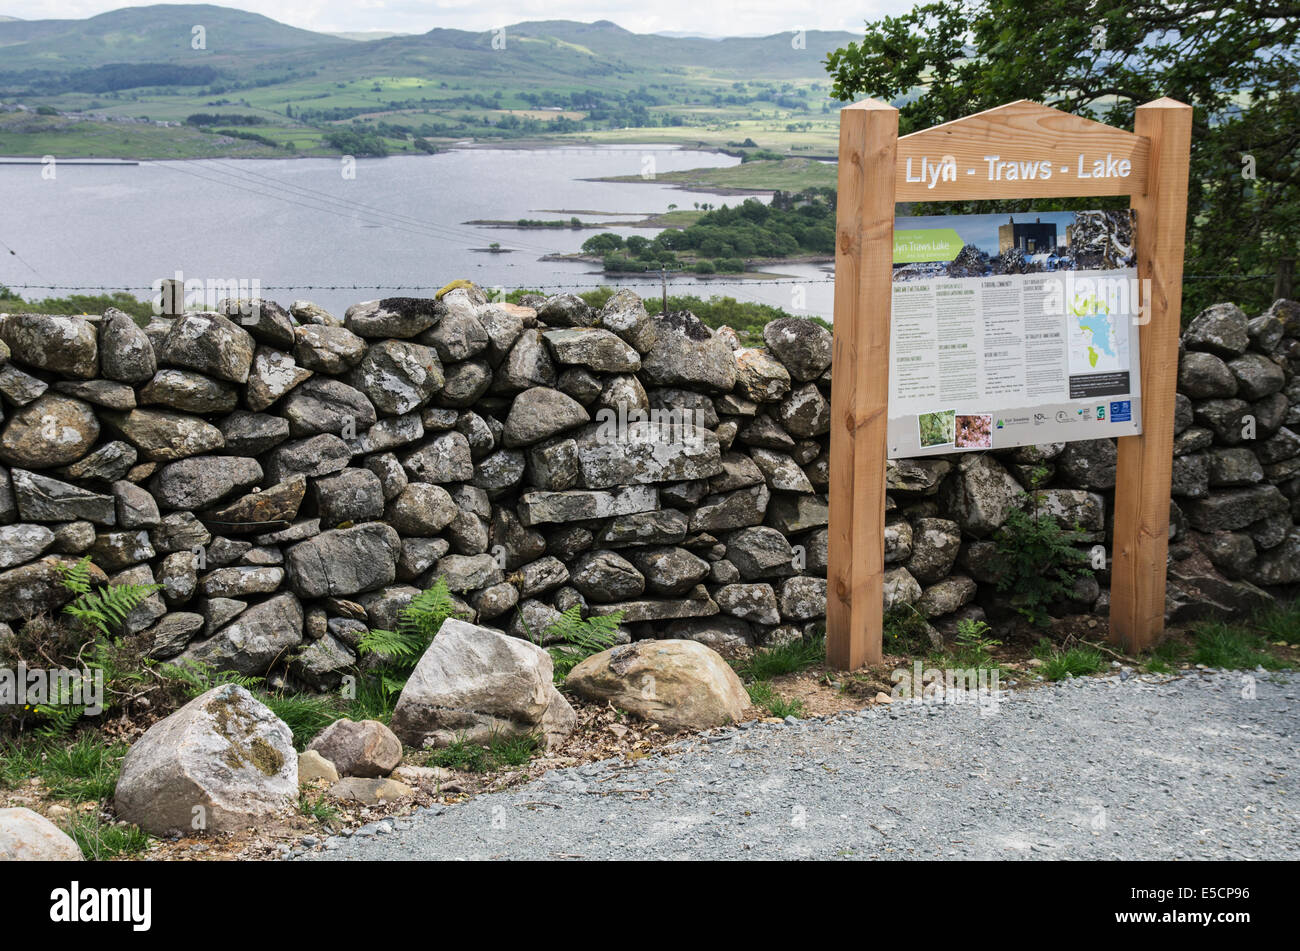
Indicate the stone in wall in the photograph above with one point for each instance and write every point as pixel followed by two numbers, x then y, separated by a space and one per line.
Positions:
pixel 293 479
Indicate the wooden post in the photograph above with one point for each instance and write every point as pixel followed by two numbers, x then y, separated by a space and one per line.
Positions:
pixel 1282 281
pixel 173 297
pixel 1141 544
pixel 864 260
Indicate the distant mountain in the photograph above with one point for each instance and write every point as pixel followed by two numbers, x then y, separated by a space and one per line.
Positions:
pixel 537 51
pixel 363 36
pixel 155 34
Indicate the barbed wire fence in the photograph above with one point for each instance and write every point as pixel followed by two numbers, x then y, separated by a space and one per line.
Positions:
pixel 650 276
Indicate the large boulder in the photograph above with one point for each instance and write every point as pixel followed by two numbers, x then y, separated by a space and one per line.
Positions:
pixel 51 431
pixel 221 763
pixel 474 684
pixel 681 685
pixel 646 451
pixel 271 375
pixel 594 348
pixel 1220 329
pixel 803 346
pixel 541 412
pixel 325 405
pixel 359 747
pixel 398 376
pixel 59 344
pixel 391 317
pixel 125 353
pixel 344 561
pixel 209 343
pixel 199 481
pixel 255 640
pixel 27 836
pixel 192 392
pixel 687 353
pixel 981 495
pixel 163 436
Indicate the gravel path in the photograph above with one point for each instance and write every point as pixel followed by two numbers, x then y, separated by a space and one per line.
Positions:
pixel 1095 768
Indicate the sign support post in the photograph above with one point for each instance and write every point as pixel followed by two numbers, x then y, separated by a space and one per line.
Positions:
pixel 864 264
pixel 878 169
pixel 1141 543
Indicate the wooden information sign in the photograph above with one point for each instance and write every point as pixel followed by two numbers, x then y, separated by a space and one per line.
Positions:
pixel 1020 150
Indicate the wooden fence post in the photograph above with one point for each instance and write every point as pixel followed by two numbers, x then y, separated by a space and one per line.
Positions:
pixel 1141 539
pixel 864 260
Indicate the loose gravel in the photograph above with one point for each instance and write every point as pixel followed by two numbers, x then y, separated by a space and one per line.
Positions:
pixel 1200 766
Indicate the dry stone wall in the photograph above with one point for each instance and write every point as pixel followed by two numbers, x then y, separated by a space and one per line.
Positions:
pixel 292 479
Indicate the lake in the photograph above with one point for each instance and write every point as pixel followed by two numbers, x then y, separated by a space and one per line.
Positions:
pixel 301 229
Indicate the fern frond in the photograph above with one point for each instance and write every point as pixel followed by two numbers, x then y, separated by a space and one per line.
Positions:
pixel 427 610
pixel 59 720
pixel 390 644
pixel 76 578
pixel 198 677
pixel 104 610
pixel 593 634
pixel 579 637
pixel 392 685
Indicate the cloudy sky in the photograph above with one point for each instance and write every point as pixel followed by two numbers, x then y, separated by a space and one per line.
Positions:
pixel 747 17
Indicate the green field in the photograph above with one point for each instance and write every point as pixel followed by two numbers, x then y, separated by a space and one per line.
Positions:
pixel 793 174
pixel 23 134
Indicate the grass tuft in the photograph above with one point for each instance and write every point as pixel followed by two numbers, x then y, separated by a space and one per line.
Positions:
pixel 762 695
pixel 1233 647
pixel 473 758
pixel 100 840
pixel 1075 662
pixel 785 659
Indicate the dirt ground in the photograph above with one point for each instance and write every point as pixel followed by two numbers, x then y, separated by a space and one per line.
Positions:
pixel 603 733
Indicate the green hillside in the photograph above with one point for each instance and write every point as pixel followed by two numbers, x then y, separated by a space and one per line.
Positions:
pixel 154 34
pixel 311 93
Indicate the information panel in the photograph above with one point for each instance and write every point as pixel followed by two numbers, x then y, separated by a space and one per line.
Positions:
pixel 1012 330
